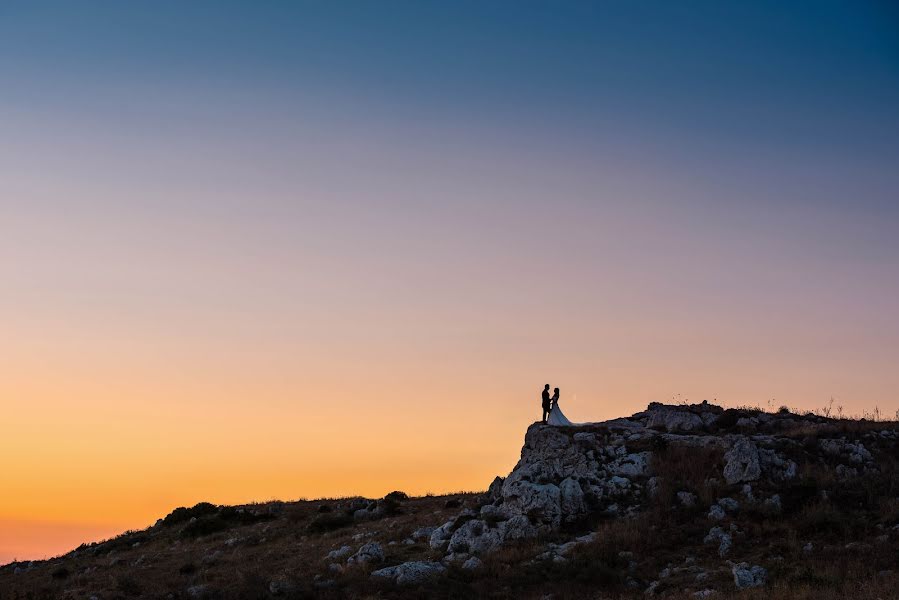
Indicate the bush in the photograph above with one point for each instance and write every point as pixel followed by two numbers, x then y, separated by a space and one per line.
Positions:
pixel 729 418
pixel 397 496
pixel 329 522
pixel 204 526
pixel 128 585
pixel 822 517
pixel 182 514
pixel 60 573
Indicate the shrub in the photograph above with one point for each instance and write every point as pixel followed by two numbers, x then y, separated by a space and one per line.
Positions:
pixel 204 526
pixel 822 517
pixel 188 569
pixel 729 418
pixel 182 514
pixel 128 585
pixel 397 496
pixel 329 522
pixel 60 573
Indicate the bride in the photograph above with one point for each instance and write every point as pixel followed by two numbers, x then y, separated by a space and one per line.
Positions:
pixel 556 417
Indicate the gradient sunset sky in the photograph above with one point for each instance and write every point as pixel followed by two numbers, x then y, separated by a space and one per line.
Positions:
pixel 256 250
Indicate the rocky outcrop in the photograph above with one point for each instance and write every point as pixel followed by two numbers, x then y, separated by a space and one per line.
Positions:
pixel 567 473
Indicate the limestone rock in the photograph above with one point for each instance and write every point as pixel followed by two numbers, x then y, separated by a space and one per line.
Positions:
pixel 571 500
pixel 372 552
pixel 440 536
pixel 518 528
pixel 423 533
pixel 748 577
pixel 742 462
pixel 339 553
pixel 475 537
pixel 686 499
pixel 540 502
pixel 410 573
pixel 716 513
pixel 673 420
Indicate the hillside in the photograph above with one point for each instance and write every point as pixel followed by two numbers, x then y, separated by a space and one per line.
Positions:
pixel 676 502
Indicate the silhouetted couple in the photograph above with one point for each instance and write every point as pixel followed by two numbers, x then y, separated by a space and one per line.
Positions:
pixel 552 414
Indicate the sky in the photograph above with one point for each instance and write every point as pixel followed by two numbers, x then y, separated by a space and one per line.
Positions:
pixel 258 250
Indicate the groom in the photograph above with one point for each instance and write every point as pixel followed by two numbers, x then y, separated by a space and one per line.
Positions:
pixel 547 404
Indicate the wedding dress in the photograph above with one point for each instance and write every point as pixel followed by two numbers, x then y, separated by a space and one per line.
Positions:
pixel 556 417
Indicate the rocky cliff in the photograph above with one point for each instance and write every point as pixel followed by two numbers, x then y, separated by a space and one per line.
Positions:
pixel 695 457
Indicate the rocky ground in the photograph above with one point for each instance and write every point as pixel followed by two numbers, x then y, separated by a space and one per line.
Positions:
pixel 676 501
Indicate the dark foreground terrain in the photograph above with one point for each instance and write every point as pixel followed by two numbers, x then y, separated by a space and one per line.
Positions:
pixel 675 502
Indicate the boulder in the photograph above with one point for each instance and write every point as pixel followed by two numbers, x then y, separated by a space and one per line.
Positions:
pixel 724 540
pixel 686 499
pixel 749 577
pixel 673 420
pixel 729 504
pixel 716 513
pixel 475 537
pixel 742 462
pixel 441 535
pixel 410 573
pixel 371 552
pixel 517 528
pixel 571 500
pixel 540 502
pixel 423 533
pixel 339 553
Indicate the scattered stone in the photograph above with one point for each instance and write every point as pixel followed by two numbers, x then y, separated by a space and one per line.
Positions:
pixel 686 499
pixel 281 587
pixel 729 504
pixel 410 573
pixel 339 553
pixel 749 577
pixel 423 533
pixel 716 513
pixel 773 504
pixel 368 553
pixel 725 542
pixel 747 492
pixel 472 563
